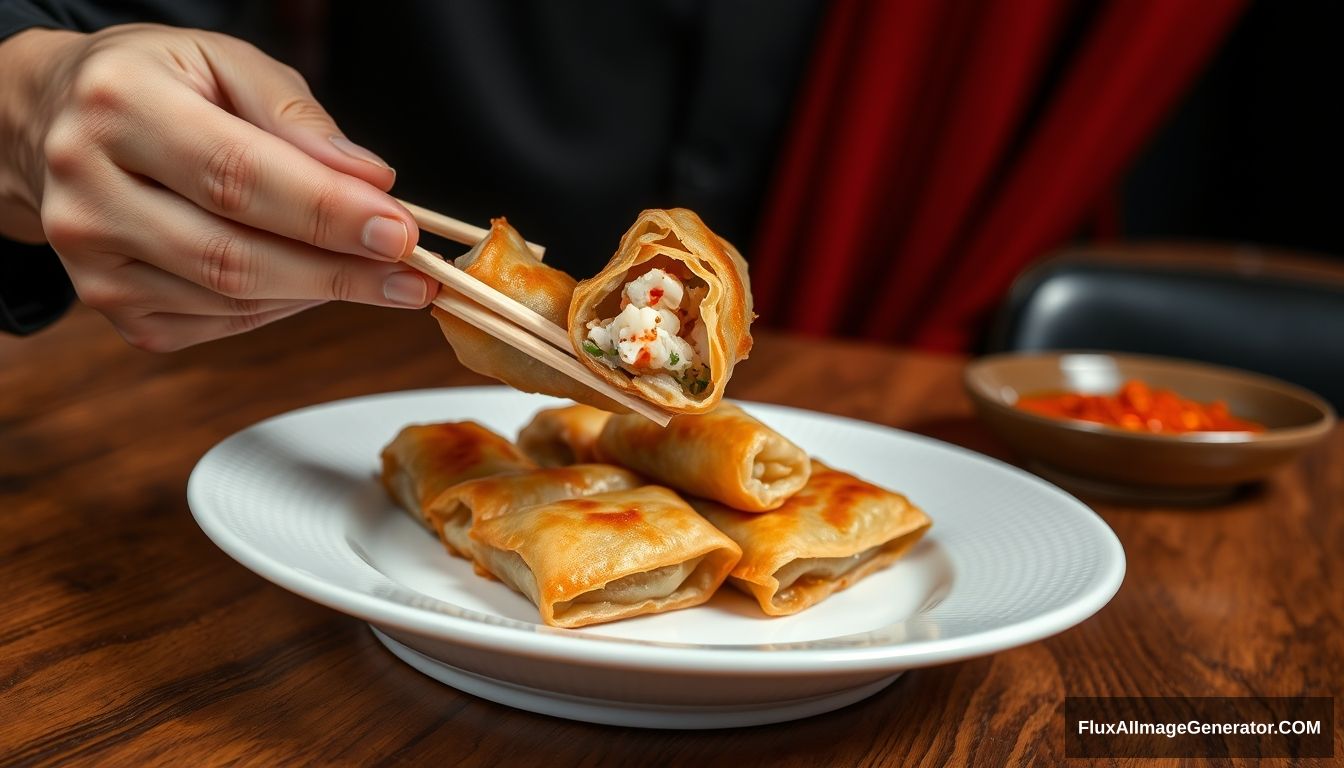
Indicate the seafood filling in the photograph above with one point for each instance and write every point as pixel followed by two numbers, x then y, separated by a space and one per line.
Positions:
pixel 657 331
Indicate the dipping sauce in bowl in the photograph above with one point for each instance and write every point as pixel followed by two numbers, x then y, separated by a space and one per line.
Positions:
pixel 1038 403
pixel 1139 408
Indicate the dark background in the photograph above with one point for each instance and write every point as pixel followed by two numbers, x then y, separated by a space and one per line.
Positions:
pixel 1253 154
pixel 1250 155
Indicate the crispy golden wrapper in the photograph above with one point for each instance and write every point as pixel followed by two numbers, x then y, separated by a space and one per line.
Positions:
pixel 676 241
pixel 424 460
pixel 834 532
pixel 455 511
pixel 606 557
pixel 724 455
pixel 558 437
pixel 504 262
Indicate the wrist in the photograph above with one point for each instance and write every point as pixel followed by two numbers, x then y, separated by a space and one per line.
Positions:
pixel 29 64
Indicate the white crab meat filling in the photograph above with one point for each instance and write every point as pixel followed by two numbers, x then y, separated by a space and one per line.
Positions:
pixel 644 334
pixel 655 288
pixel 639 338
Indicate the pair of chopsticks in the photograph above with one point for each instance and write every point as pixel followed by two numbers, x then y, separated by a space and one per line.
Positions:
pixel 513 323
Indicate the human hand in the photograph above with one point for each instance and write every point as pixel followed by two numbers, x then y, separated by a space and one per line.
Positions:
pixel 191 185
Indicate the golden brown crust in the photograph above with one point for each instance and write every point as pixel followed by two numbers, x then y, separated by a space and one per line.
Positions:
pixel 504 262
pixel 455 511
pixel 680 235
pixel 836 515
pixel 424 460
pixel 557 437
pixel 717 455
pixel 576 546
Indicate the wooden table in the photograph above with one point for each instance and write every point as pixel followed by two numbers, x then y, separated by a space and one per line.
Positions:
pixel 127 638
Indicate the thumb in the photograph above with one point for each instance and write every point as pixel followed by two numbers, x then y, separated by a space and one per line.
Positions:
pixel 276 98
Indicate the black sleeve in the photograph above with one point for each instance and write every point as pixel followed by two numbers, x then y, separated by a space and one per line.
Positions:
pixel 92 15
pixel 18 15
pixel 34 289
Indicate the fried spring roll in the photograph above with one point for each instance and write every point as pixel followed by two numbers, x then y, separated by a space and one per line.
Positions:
pixel 557 437
pixel 606 557
pixel 464 505
pixel 504 262
pixel 724 455
pixel 832 533
pixel 670 314
pixel 424 460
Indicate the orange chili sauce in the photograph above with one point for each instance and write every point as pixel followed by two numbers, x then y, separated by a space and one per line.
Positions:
pixel 1140 408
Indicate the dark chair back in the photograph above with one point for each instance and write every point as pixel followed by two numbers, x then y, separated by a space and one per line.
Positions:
pixel 1276 313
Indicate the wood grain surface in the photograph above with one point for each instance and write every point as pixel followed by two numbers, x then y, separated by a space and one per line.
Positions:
pixel 127 638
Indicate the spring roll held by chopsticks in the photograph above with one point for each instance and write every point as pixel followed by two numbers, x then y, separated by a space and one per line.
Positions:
pixel 504 262
pixel 724 455
pixel 834 532
pixel 424 460
pixel 608 556
pixel 670 314
pixel 557 437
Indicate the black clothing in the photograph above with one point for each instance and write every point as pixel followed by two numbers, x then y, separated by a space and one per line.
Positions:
pixel 34 289
pixel 567 118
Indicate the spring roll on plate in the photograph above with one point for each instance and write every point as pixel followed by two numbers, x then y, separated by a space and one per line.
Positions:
pixel 424 460
pixel 829 535
pixel 606 557
pixel 670 314
pixel 557 437
pixel 504 262
pixel 462 506
pixel 724 455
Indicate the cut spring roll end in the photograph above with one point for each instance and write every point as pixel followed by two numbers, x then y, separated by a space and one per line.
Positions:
pixel 670 315
pixel 458 509
pixel 725 455
pixel 804 582
pixel 608 556
pixel 828 536
pixel 423 460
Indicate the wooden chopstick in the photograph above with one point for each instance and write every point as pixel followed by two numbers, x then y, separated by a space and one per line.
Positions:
pixel 520 327
pixel 452 229
pixel 520 314
pixel 459 306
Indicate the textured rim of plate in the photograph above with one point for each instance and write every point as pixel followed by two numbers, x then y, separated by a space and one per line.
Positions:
pixel 505 635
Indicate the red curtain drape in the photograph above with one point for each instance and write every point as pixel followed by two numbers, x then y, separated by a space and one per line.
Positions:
pixel 938 147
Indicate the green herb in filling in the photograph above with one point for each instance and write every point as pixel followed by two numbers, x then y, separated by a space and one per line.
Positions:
pixel 673 358
pixel 591 348
pixel 695 380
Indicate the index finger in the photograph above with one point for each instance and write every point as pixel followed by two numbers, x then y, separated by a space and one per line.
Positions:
pixel 234 169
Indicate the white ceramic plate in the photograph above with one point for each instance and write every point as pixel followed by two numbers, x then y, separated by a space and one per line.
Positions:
pixel 1010 559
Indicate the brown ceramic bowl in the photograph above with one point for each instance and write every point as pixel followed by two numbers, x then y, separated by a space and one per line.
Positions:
pixel 1138 466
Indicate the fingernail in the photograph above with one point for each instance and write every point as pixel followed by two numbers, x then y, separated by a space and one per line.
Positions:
pixel 406 288
pixel 359 153
pixel 385 237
